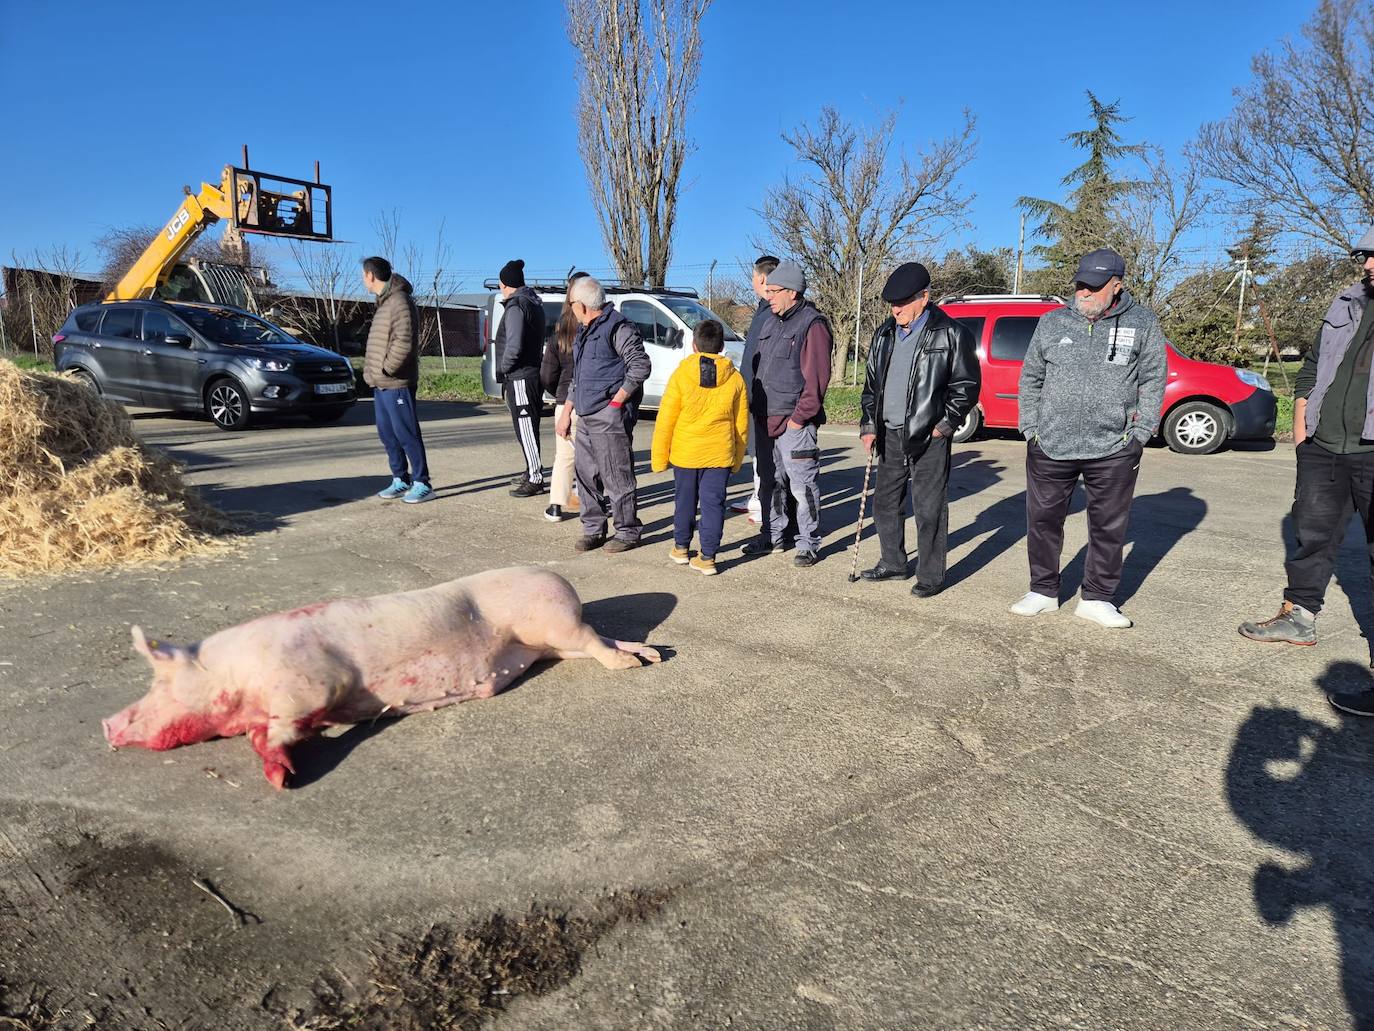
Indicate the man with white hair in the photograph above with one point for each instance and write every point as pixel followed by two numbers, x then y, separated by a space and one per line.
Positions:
pixel 610 366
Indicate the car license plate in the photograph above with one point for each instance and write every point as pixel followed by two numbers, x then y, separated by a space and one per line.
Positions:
pixel 331 388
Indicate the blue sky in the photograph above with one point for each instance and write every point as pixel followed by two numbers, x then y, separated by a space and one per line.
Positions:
pixel 463 112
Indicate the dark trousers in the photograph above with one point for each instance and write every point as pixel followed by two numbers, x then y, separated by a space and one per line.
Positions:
pixel 1110 486
pixel 604 464
pixel 399 427
pixel 525 399
pixel 708 486
pixel 1330 489
pixel 928 477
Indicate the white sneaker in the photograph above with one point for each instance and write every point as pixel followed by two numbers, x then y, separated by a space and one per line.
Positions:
pixel 1034 604
pixel 1103 613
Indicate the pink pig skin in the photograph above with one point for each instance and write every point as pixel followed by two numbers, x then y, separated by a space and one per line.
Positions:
pixel 280 678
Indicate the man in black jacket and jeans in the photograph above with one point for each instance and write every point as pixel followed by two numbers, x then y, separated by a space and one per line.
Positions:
pixel 519 352
pixel 922 380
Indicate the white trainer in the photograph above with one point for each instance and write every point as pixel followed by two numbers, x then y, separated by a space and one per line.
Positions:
pixel 1103 613
pixel 1034 604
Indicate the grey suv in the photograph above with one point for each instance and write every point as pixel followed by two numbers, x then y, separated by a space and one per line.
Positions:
pixel 223 361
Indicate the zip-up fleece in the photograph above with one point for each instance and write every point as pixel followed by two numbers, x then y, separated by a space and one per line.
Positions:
pixel 1088 387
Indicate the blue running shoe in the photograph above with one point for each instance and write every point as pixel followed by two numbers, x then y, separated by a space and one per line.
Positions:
pixel 397 488
pixel 418 492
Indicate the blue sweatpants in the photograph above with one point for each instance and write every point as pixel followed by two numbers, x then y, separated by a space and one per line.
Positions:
pixel 708 486
pixel 399 427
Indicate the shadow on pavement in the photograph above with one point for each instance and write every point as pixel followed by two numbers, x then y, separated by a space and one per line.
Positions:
pixel 1305 787
pixel 629 617
pixel 318 756
pixel 265 506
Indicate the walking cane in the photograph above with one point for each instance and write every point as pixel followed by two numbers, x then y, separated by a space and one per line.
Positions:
pixel 863 503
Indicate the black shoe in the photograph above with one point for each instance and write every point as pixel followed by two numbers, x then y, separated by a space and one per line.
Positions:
pixel 804 559
pixel 882 572
pixel 527 490
pixel 616 545
pixel 589 543
pixel 759 546
pixel 923 591
pixel 554 514
pixel 1359 703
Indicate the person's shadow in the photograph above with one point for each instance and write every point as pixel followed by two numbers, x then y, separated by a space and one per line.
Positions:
pixel 1157 523
pixel 1305 787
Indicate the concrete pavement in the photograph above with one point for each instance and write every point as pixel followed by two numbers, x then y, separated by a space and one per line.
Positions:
pixel 867 811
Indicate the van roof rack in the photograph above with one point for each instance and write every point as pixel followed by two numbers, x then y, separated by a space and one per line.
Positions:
pixel 1023 298
pixel 611 286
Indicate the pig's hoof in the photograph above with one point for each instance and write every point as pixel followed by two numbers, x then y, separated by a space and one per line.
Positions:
pixel 642 651
pixel 276 774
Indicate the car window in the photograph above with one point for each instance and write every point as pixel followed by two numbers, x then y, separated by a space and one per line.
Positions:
pixel 1011 336
pixel 86 321
pixel 158 324
pixel 653 324
pixel 974 326
pixel 691 312
pixel 224 326
pixel 120 322
pixel 553 310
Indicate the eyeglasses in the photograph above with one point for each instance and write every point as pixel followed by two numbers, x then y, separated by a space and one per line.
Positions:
pixel 773 291
pixel 1362 256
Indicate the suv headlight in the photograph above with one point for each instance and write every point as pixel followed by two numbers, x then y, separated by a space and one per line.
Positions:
pixel 269 364
pixel 1254 379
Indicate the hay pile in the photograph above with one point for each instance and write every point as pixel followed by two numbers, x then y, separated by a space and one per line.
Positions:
pixel 77 487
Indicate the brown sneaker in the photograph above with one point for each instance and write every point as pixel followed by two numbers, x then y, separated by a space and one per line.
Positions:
pixel 1293 625
pixel 616 545
pixel 680 555
pixel 706 566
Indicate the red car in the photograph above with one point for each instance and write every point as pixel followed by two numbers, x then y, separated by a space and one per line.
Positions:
pixel 1205 405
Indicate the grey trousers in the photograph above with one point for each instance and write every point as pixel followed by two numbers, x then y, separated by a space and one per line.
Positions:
pixel 605 468
pixel 791 466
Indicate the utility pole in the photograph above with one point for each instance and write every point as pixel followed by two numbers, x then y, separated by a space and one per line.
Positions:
pixel 439 321
pixel 858 310
pixel 1020 254
pixel 33 325
pixel 1240 304
pixel 711 285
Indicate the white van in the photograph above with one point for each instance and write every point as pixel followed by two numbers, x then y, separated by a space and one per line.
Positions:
pixel 665 319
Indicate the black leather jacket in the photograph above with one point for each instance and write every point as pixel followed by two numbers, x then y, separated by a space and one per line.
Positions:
pixel 944 383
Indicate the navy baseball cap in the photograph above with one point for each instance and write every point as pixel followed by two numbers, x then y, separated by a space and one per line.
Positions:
pixel 1096 267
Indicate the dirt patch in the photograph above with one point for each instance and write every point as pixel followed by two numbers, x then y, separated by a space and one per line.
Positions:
pixel 78 488
pixel 27 1009
pixel 452 980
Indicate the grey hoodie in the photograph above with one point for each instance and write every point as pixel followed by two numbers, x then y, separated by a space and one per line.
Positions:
pixel 1087 387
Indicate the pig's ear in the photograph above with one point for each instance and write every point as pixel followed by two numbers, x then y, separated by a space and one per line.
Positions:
pixel 154 651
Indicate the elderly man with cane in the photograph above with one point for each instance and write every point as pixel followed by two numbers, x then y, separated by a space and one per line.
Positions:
pixel 921 382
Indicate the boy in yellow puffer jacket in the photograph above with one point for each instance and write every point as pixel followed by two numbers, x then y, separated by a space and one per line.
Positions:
pixel 700 430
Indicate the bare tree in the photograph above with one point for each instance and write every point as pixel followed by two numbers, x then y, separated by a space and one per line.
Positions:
pixel 637 70
pixel 854 207
pixel 1154 217
pixel 1300 142
pixel 120 247
pixel 326 270
pixel 42 294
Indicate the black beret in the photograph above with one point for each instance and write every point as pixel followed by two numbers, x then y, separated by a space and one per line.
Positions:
pixel 906 282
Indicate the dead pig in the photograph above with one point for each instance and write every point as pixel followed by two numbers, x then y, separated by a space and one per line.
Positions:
pixel 281 677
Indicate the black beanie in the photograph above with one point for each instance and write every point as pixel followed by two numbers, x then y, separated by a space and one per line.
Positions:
pixel 513 273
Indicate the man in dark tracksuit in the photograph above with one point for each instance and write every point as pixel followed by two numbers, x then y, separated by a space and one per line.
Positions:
pixel 921 382
pixel 519 352
pixel 1333 428
pixel 1091 389
pixel 610 366
pixel 788 406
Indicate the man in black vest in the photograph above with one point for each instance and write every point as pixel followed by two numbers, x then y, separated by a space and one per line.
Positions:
pixel 788 404
pixel 922 380
pixel 763 267
pixel 609 370
pixel 519 351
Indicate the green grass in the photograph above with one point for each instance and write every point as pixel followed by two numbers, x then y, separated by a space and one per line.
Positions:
pixel 842 404
pixel 28 361
pixel 462 381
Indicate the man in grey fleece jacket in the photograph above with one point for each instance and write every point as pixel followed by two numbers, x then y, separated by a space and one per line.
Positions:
pixel 1092 386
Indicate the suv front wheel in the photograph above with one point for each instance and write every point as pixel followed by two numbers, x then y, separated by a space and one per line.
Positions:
pixel 972 423
pixel 1196 428
pixel 226 403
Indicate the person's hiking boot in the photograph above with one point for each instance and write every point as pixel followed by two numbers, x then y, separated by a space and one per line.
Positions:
pixel 1293 625
pixel 555 514
pixel 1357 703
pixel 680 555
pixel 1034 604
pixel 1103 613
pixel 616 545
pixel 397 489
pixel 418 492
pixel 882 572
pixel 528 489
pixel 921 590
pixel 805 559
pixel 590 543
pixel 759 546
pixel 706 566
